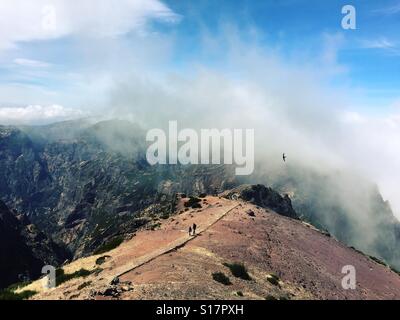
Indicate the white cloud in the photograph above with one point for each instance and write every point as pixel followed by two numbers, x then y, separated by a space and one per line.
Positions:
pixel 381 43
pixel 374 147
pixel 31 63
pixel 37 114
pixel 292 107
pixel 352 117
pixel 386 45
pixel 389 10
pixel 26 20
pixel 332 45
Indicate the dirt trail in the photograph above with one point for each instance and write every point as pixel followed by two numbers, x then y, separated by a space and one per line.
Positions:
pixel 145 246
pixel 171 246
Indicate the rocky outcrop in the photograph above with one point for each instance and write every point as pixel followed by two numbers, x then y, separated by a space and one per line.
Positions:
pixel 264 197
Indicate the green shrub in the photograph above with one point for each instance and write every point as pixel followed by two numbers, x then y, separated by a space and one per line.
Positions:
pixel 270 298
pixel 101 260
pixel 221 278
pixel 165 216
pixel 239 293
pixel 84 285
pixel 8 294
pixel 326 233
pixel 378 260
pixel 97 271
pixel 395 270
pixel 154 226
pixel 18 285
pixel 193 203
pixel 358 251
pixel 273 279
pixel 238 270
pixel 62 277
pixel 114 243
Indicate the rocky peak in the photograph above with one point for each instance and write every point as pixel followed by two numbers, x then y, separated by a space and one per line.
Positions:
pixel 264 197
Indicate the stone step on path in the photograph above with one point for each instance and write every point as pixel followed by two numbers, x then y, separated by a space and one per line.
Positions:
pixel 167 249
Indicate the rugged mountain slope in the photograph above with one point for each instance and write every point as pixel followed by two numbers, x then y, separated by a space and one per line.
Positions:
pixel 23 249
pixel 86 184
pixel 95 184
pixel 23 174
pixel 285 259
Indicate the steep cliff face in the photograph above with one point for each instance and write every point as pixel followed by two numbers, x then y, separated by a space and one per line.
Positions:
pixel 96 183
pixel 17 259
pixel 23 249
pixel 23 174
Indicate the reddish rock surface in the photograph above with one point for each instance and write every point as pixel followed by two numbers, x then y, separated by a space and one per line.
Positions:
pixel 168 264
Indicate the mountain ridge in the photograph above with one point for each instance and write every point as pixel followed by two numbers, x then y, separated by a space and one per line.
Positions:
pixel 83 191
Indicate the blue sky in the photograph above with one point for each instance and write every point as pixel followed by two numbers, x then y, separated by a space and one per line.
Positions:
pixel 48 69
pixel 371 52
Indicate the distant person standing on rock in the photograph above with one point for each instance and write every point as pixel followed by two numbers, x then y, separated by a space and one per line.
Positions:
pixel 190 231
pixel 194 228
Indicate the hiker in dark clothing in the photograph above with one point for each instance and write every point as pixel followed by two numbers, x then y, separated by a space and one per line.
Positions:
pixel 190 231
pixel 194 228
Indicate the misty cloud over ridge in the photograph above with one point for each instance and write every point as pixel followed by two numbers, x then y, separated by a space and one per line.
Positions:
pixel 37 114
pixel 291 105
